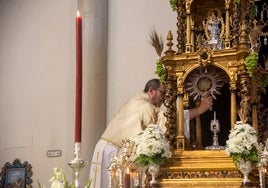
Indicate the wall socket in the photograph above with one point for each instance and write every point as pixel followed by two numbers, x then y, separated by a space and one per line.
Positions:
pixel 54 153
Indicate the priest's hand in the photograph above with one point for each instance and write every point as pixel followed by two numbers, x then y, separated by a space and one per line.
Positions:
pixel 205 104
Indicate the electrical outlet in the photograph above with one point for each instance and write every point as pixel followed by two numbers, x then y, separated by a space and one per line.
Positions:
pixel 54 153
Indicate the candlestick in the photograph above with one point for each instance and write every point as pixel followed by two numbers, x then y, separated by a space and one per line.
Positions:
pixel 77 163
pixel 78 104
pixel 127 181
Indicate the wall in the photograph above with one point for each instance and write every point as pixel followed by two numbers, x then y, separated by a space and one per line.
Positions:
pixel 37 73
pixel 37 64
pixel 131 58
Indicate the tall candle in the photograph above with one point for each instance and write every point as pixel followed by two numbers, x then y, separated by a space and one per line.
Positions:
pixel 127 179
pixel 78 101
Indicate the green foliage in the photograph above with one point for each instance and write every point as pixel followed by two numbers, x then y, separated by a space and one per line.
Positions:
pixel 160 71
pixel 252 156
pixel 145 160
pixel 173 4
pixel 251 62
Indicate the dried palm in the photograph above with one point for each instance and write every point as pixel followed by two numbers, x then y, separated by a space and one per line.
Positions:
pixel 157 42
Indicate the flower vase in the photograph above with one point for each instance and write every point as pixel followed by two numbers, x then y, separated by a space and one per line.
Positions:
pixel 143 176
pixel 153 170
pixel 245 167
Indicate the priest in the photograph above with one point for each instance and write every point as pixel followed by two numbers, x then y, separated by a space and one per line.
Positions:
pixel 131 118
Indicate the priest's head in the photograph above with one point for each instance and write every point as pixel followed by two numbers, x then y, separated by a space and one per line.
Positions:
pixel 156 91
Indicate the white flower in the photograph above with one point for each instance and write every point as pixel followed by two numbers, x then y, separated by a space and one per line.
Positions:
pixel 242 142
pixel 57 184
pixel 58 180
pixel 150 146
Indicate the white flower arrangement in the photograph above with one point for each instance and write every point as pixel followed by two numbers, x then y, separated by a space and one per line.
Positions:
pixel 151 147
pixel 58 180
pixel 242 143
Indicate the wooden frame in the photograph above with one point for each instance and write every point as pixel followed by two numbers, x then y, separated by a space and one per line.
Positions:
pixel 16 174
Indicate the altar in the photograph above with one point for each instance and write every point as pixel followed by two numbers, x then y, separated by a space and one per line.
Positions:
pixel 206 168
pixel 209 54
pixel 220 49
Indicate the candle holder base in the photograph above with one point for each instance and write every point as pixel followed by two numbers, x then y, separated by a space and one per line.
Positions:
pixel 217 147
pixel 77 163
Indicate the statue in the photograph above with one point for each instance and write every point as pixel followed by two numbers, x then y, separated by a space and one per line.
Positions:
pixel 214 27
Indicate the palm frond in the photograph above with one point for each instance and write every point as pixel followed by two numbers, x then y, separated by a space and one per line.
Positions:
pixel 157 42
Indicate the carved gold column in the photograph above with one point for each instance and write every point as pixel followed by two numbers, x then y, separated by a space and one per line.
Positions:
pixel 171 94
pixel 235 24
pixel 245 97
pixel 254 116
pixel 233 106
pixel 192 34
pixel 227 24
pixel 181 27
pixel 188 26
pixel 254 102
pixel 255 97
pixel 243 43
pixel 180 114
pixel 233 100
pixel 233 89
pixel 170 104
pixel 180 124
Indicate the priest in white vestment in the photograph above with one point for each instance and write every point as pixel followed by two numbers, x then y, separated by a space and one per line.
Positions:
pixel 131 118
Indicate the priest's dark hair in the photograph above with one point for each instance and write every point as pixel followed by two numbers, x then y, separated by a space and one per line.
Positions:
pixel 153 83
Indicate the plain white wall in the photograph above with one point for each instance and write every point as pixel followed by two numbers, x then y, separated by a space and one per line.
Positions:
pixel 37 71
pixel 131 58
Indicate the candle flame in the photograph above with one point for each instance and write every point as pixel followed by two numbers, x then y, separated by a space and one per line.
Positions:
pixel 78 13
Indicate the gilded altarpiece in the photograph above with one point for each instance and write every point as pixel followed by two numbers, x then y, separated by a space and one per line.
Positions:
pixel 214 37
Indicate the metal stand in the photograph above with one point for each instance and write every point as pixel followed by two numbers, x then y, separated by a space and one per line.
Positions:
pixel 262 176
pixel 215 129
pixel 77 163
pixel 262 164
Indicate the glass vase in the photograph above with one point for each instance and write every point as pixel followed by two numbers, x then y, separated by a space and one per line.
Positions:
pixel 153 170
pixel 245 168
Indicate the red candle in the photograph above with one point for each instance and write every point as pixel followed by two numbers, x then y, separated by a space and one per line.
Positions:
pixel 78 101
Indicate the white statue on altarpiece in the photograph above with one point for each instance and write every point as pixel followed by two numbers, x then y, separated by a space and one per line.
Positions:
pixel 213 26
pixel 214 29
